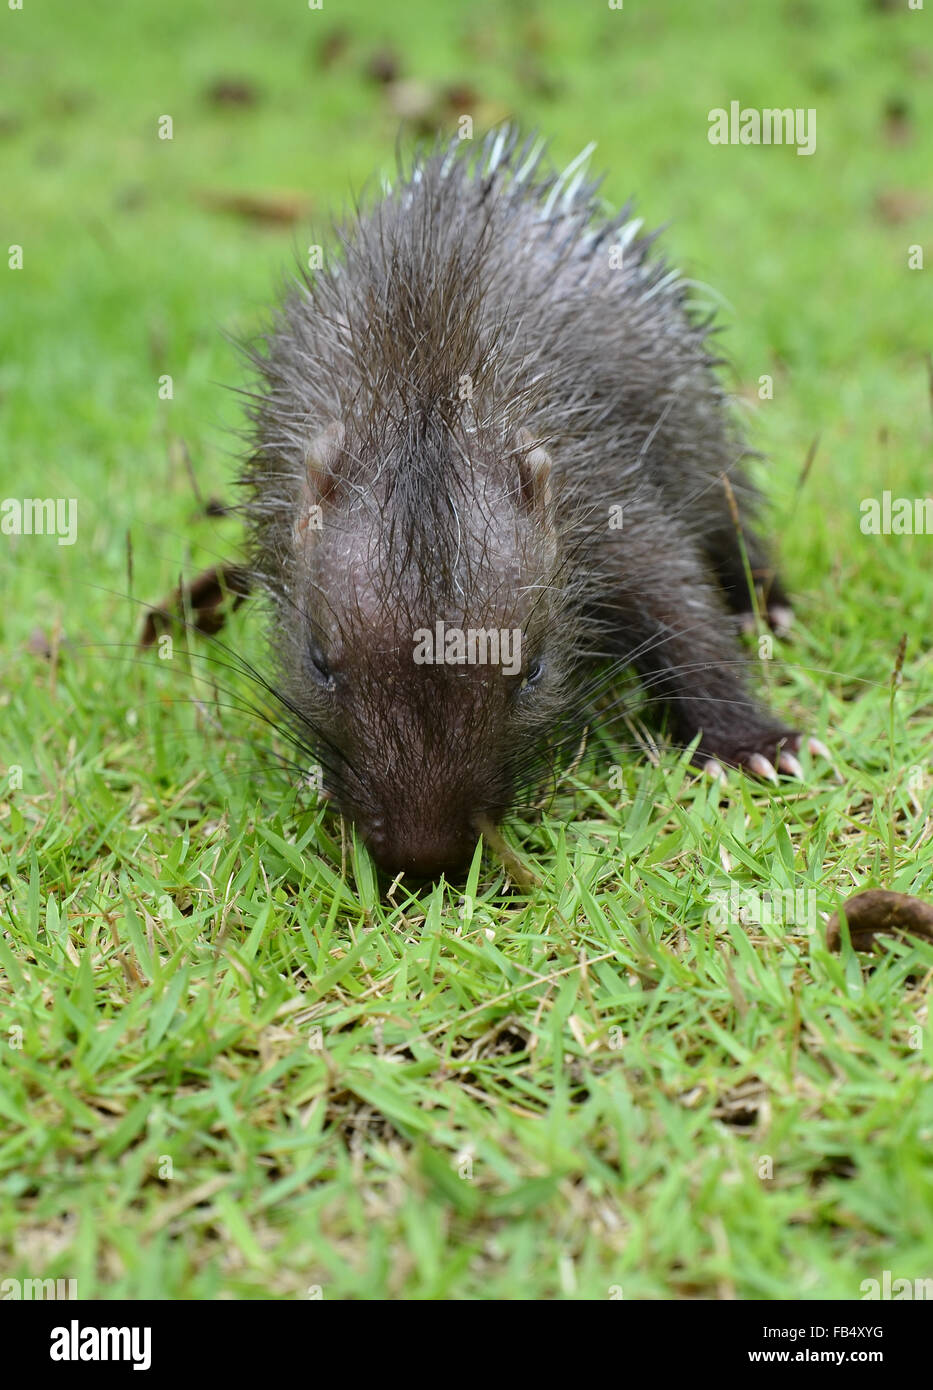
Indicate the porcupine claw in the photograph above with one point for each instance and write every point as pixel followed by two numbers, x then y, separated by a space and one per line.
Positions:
pixel 762 767
pixel 780 619
pixel 816 749
pixel 788 764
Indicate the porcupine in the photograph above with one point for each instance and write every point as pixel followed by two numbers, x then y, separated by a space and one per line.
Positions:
pixel 494 409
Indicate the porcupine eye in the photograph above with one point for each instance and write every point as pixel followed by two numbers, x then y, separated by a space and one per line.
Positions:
pixel 531 676
pixel 319 668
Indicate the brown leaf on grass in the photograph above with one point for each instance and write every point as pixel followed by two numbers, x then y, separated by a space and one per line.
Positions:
pixel 432 110
pixel 332 48
pixel 205 599
pixel 535 78
pixel 744 1104
pixel 876 911
pixel 270 208
pixel 896 205
pixel 383 66
pixel 898 121
pixel 231 91
pixel 68 103
pixel 460 97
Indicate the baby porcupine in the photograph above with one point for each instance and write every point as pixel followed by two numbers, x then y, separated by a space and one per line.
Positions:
pixel 492 413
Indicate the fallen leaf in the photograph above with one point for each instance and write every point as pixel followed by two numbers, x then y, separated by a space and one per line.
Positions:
pixel 878 910
pixel 383 66
pixel 332 48
pixel 259 207
pixel 205 598
pixel 895 205
pixel 231 91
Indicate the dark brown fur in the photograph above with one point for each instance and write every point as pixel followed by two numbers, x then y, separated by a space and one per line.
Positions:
pixel 449 412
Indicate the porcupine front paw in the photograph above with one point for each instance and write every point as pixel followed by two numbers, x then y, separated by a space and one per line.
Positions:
pixel 778 616
pixel 761 749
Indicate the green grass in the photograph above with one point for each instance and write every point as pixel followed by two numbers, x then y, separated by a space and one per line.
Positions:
pixel 228 1068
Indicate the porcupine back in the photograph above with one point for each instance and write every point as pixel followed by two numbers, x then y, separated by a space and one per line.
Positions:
pixel 484 263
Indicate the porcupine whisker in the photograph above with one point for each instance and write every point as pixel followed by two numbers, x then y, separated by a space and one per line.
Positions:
pixel 319 753
pixel 241 666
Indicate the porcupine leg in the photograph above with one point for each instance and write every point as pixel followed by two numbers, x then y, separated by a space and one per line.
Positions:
pixel 714 516
pixel 714 513
pixel 668 618
pixel 725 557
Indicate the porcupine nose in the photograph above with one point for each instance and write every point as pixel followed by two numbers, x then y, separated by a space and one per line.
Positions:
pixel 445 851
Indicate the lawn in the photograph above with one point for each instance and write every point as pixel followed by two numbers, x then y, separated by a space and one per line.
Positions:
pixel 231 1064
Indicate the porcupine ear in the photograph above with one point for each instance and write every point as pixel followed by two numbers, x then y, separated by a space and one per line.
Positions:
pixel 534 475
pixel 321 458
